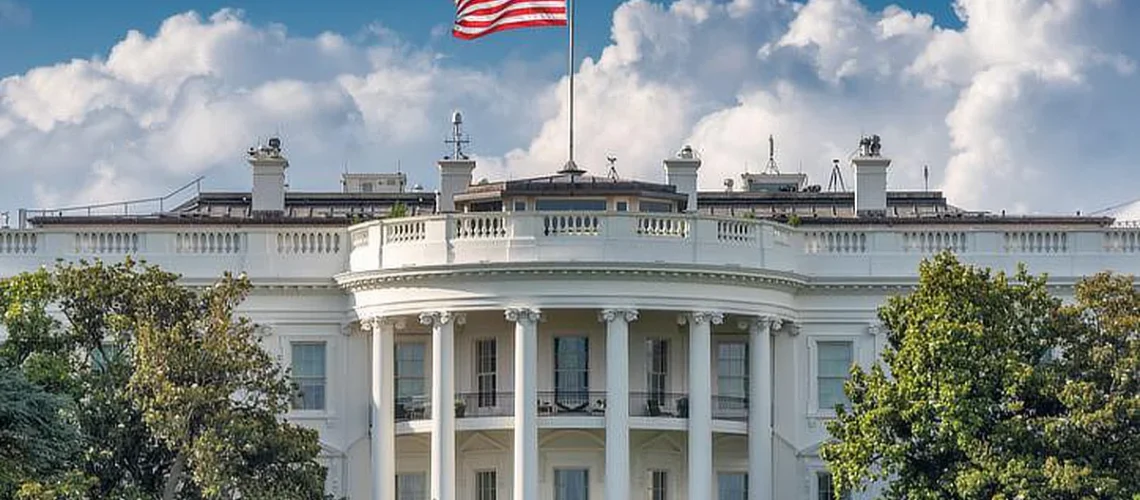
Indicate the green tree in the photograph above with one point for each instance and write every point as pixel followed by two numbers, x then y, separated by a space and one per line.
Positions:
pixel 129 395
pixel 991 388
pixel 36 440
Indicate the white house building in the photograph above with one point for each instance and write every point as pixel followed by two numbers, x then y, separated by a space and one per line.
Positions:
pixel 570 337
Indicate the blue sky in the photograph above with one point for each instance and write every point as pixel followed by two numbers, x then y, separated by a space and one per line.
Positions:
pixel 1011 108
pixel 58 30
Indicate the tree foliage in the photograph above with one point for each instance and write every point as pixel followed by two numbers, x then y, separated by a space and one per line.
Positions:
pixel 169 389
pixel 35 437
pixel 992 388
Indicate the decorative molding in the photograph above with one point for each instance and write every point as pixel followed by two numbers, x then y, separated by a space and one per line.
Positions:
pixel 368 280
pixel 523 315
pixel 876 328
pixel 772 324
pixel 702 317
pixel 442 318
pixel 609 315
pixel 379 323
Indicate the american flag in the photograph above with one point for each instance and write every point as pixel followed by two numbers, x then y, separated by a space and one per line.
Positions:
pixel 475 18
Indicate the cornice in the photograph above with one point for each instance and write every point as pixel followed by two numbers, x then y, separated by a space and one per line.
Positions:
pixel 361 281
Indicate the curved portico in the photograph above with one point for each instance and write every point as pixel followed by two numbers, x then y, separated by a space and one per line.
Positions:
pixel 581 340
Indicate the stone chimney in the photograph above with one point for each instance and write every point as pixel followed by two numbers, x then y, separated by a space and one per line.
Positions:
pixel 268 178
pixel 870 179
pixel 681 173
pixel 454 178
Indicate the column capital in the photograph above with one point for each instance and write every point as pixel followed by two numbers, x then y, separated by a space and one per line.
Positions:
pixel 609 315
pixel 701 317
pixel 771 324
pixel 523 315
pixel 441 318
pixel 876 328
pixel 378 324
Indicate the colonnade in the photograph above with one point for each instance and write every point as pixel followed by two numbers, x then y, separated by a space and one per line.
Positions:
pixel 617 321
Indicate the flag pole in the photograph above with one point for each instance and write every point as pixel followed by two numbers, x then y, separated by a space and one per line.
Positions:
pixel 570 165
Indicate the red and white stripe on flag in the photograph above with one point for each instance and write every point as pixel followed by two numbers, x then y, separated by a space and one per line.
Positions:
pixel 475 18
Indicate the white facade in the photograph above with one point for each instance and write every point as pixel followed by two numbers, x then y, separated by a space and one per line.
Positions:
pixel 639 355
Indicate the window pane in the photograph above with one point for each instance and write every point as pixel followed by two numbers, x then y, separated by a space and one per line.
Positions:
pixel 571 484
pixel 410 370
pixel 485 485
pixel 834 360
pixel 569 204
pixel 571 370
pixel 659 488
pixel 411 486
pixel 308 367
pixel 732 486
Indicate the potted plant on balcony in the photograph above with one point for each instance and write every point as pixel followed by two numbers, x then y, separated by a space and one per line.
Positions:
pixel 460 408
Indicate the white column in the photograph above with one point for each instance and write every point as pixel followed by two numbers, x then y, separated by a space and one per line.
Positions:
pixel 700 403
pixel 617 321
pixel 383 410
pixel 526 402
pixel 442 402
pixel 760 406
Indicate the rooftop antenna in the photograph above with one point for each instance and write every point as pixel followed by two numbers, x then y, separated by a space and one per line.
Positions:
pixel 457 139
pixel 836 183
pixel 772 167
pixel 612 160
pixel 926 178
pixel 398 168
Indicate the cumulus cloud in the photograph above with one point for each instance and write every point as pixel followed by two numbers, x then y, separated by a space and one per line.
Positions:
pixel 1026 108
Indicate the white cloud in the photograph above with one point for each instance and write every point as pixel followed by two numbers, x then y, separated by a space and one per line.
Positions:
pixel 1026 108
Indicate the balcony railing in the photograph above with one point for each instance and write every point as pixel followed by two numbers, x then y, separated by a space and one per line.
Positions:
pixel 658 404
pixel 413 408
pixel 586 403
pixel 484 404
pixel 817 250
pixel 730 408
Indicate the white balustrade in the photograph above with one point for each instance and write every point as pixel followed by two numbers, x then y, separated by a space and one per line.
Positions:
pixel 603 237
pixel 308 242
pixel 17 242
pixel 480 226
pixel 934 241
pixel 209 242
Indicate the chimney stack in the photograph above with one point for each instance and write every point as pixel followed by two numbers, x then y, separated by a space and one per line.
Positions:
pixel 870 178
pixel 454 178
pixel 268 178
pixel 681 173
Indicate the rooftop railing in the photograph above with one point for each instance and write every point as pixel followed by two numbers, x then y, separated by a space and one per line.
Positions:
pixel 672 241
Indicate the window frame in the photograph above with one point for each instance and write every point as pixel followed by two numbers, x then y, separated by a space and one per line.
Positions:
pixel 814 410
pixel 423 375
pixel 298 379
pixel 481 491
pixel 486 397
pixel 745 376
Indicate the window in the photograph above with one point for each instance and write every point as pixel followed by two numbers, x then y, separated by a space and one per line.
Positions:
pixel 366 187
pixel 732 374
pixel 571 371
pixel 561 205
pixel 623 206
pixel 658 488
pixel 309 374
pixel 411 486
pixel 409 370
pixel 485 487
pixel 732 486
pixel 571 484
pixel 825 490
pixel 655 206
pixel 486 359
pixel 520 206
pixel 834 362
pixel 658 383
